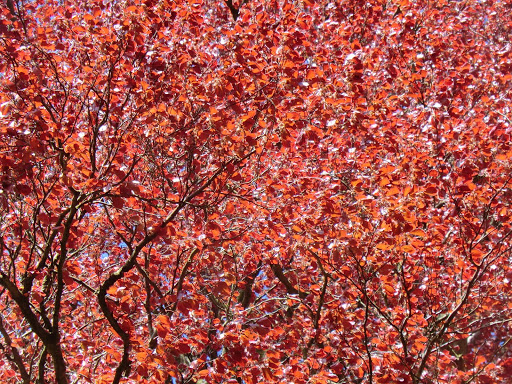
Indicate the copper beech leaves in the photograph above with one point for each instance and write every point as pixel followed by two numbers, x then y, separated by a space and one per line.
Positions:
pixel 248 192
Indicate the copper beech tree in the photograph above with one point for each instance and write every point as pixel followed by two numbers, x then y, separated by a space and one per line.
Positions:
pixel 248 191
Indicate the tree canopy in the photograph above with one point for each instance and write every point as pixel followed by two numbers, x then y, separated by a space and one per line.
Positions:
pixel 288 191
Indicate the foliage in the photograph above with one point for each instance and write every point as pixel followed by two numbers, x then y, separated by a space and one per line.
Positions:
pixel 279 191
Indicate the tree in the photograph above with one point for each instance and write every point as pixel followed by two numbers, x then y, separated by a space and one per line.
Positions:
pixel 250 192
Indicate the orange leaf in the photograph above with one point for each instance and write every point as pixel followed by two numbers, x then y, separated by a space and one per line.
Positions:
pixel 230 208
pixel 418 232
pixel 479 360
pixel 384 246
pixel 393 191
pixel 384 181
pixel 267 374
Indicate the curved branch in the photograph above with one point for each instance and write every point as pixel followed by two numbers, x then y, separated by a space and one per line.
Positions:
pixel 16 357
pixel 278 272
pixel 124 365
